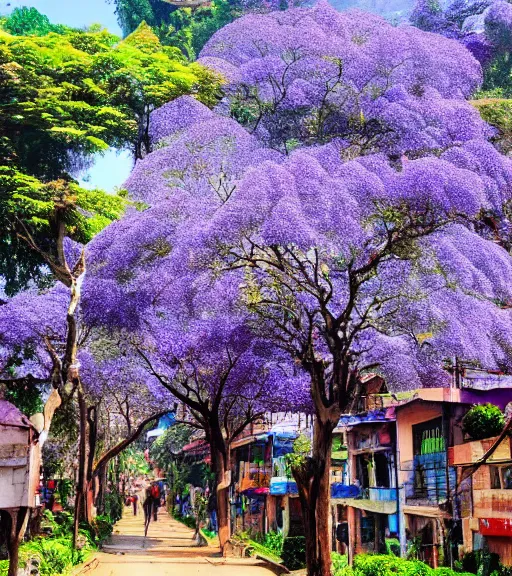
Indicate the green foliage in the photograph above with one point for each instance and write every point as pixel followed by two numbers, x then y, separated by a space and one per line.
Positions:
pixel 294 552
pixel 483 421
pixel 184 28
pixel 187 520
pixel 25 396
pixel 26 21
pixel 301 451
pixel 64 98
pixel 498 76
pixel 54 554
pixel 101 528
pixel 133 463
pixel 114 505
pixel 483 563
pixel 393 546
pixel 130 13
pixel 383 565
pixel 169 443
pixel 339 563
pixel 273 541
pixel 498 113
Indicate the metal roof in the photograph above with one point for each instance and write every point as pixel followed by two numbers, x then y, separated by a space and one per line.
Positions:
pixel 11 416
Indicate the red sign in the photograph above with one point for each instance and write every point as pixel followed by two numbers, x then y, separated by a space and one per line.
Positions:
pixel 496 527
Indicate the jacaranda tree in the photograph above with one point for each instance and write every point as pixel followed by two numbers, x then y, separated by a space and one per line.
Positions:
pixel 308 76
pixel 191 333
pixel 109 389
pixel 483 26
pixel 359 254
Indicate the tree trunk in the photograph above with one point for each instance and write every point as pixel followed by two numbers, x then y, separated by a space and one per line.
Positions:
pixel 92 430
pixel 102 488
pixel 18 525
pixel 223 507
pixel 221 468
pixel 81 488
pixel 313 481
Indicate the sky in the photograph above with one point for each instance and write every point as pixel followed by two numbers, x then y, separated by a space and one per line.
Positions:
pixel 77 13
pixel 112 168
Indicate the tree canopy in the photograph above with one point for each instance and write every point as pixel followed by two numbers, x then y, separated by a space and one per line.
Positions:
pixel 66 97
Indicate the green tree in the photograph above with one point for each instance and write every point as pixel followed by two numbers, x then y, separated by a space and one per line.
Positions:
pixel 29 21
pixel 140 74
pixel 63 99
pixel 185 28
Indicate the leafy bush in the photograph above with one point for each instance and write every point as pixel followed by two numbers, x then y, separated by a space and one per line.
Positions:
pixel 483 563
pixel 54 554
pixel 274 542
pixel 294 552
pixel 101 528
pixel 187 520
pixel 383 565
pixel 379 565
pixel 483 421
pixel 393 546
pixel 339 563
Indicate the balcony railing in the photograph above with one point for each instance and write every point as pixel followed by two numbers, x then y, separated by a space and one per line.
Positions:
pixel 378 494
pixel 428 482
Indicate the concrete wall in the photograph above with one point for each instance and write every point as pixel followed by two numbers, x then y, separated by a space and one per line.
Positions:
pixel 406 418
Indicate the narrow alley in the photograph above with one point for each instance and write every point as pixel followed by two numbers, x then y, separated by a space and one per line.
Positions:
pixel 168 550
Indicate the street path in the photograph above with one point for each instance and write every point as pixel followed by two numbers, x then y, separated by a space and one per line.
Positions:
pixel 168 550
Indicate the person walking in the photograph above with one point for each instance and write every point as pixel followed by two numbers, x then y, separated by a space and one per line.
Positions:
pixel 147 506
pixel 155 495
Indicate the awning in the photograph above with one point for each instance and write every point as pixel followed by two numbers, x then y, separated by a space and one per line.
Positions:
pixel 249 440
pixel 197 448
pixel 377 506
pixel 427 511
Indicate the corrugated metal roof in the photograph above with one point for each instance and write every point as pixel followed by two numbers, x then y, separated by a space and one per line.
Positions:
pixel 11 416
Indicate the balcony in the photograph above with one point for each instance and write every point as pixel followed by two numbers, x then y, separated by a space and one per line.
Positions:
pixel 471 452
pixel 340 490
pixel 376 500
pixel 428 484
pixel 492 503
pixel 379 494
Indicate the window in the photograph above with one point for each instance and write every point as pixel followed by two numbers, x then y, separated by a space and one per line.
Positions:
pixel 428 437
pixel 367 529
pixel 501 477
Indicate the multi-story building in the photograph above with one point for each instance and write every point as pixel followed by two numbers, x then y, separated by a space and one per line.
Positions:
pixel 264 496
pixel 429 432
pixel 364 481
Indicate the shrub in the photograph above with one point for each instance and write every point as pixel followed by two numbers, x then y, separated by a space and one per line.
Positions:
pixel 383 565
pixel 339 563
pixel 274 542
pixel 481 562
pixel 379 565
pixel 294 552
pixel 483 421
pixel 101 528
pixel 393 546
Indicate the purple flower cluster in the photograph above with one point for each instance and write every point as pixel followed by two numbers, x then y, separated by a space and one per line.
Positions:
pixel 357 239
pixel 483 26
pixel 315 74
pixel 323 215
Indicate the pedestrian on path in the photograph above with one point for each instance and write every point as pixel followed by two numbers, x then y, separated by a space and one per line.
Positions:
pixel 147 505
pixel 155 495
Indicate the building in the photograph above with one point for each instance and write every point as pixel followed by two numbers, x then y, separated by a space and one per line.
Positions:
pixel 364 479
pixel 264 496
pixel 429 433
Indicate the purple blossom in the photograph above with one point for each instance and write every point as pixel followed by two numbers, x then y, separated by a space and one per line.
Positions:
pixel 356 77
